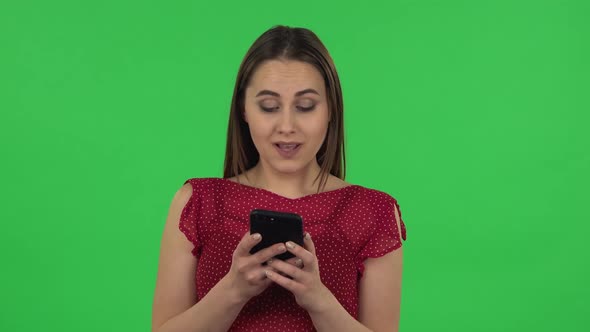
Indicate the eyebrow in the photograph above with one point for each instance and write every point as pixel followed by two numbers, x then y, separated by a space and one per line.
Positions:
pixel 276 94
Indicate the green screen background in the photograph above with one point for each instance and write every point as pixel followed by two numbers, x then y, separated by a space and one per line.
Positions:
pixel 473 114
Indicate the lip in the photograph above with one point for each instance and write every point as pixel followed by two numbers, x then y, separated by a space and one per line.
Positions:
pixel 287 154
pixel 283 142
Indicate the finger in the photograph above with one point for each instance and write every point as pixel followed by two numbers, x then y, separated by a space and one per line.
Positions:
pixel 307 257
pixel 259 276
pixel 285 282
pixel 263 270
pixel 247 242
pixel 268 253
pixel 256 276
pixel 262 273
pixel 263 281
pixel 267 281
pixel 288 269
pixel 295 261
pixel 308 243
pixel 276 271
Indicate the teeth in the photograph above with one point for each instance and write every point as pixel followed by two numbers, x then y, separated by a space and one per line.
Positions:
pixel 287 146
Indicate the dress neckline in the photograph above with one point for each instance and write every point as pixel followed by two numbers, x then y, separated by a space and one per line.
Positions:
pixel 272 193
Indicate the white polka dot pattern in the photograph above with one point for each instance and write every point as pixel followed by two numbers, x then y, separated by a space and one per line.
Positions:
pixel 347 225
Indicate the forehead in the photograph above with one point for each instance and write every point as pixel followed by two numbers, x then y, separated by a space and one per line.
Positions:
pixel 286 75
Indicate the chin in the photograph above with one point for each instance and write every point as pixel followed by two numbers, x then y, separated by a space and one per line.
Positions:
pixel 289 166
pixel 292 168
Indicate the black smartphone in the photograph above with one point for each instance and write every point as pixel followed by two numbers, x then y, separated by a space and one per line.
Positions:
pixel 276 227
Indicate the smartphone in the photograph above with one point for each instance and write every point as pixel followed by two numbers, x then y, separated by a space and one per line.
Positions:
pixel 276 227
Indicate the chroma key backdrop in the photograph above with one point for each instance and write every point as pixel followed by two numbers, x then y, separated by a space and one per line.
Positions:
pixel 472 114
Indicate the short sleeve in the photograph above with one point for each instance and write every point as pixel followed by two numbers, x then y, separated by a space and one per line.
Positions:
pixel 386 236
pixel 189 218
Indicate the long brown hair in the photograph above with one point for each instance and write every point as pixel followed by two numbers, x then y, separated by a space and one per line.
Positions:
pixel 283 42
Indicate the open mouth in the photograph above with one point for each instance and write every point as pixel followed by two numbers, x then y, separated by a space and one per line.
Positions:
pixel 287 150
pixel 287 147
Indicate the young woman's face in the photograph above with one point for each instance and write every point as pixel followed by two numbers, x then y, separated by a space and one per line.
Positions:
pixel 287 112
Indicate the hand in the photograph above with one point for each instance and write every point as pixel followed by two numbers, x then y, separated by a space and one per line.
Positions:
pixel 247 274
pixel 310 293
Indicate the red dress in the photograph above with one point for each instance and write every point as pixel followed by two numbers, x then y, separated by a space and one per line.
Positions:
pixel 347 226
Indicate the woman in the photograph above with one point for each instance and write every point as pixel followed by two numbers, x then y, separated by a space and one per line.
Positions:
pixel 285 152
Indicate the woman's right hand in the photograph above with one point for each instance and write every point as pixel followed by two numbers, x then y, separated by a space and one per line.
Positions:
pixel 246 276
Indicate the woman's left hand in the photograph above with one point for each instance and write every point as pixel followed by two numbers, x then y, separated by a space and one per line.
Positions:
pixel 310 293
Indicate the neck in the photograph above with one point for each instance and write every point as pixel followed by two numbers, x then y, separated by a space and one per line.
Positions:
pixel 287 184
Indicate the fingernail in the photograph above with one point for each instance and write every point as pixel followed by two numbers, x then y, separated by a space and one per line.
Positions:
pixel 290 245
pixel 298 262
pixel 269 262
pixel 307 236
pixel 256 236
pixel 281 248
pixel 268 273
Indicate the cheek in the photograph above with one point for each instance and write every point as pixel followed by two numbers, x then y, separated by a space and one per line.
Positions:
pixel 318 128
pixel 259 127
pixel 318 131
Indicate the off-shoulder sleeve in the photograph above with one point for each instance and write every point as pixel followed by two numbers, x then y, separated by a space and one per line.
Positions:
pixel 189 218
pixel 385 236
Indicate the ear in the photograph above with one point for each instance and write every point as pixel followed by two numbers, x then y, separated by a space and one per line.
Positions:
pixel 244 117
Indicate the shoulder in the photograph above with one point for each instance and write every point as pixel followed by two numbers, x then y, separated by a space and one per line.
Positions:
pixel 189 189
pixel 370 196
pixel 382 197
pixel 185 193
pixel 198 184
pixel 181 200
pixel 386 206
pixel 192 193
pixel 376 197
pixel 208 187
pixel 380 202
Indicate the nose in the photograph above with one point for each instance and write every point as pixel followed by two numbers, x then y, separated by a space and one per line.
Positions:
pixel 286 123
